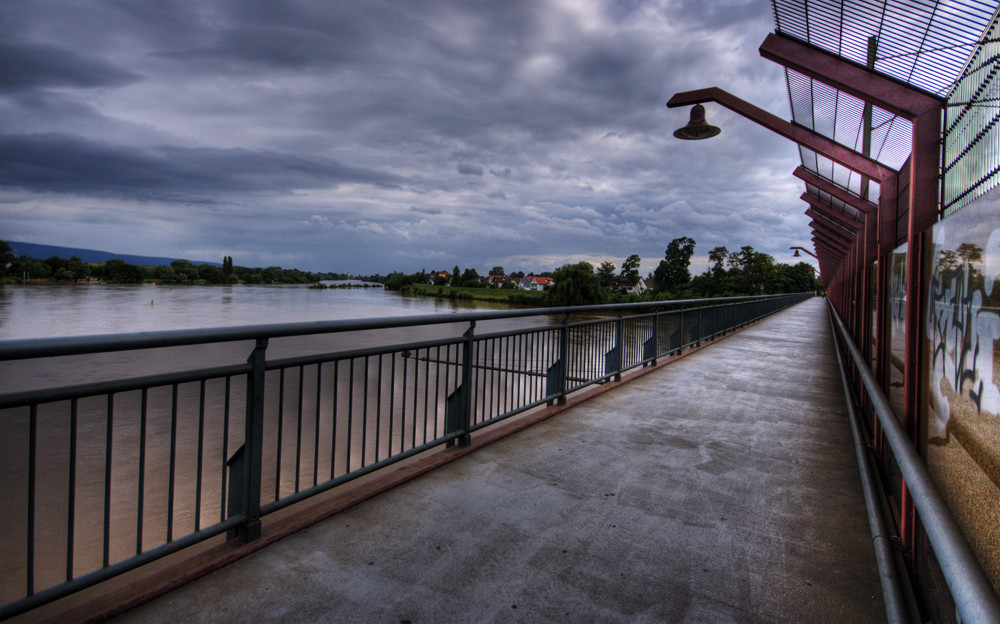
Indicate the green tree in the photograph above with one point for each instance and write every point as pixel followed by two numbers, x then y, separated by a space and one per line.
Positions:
pixel 211 274
pixel 574 284
pixel 79 268
pixel 751 270
pixel 497 270
pixel 456 276
pixel 718 257
pixel 606 275
pixel 630 270
pixel 35 268
pixel 470 278
pixel 165 274
pixel 7 258
pixel 673 271
pixel 184 270
pixel 117 271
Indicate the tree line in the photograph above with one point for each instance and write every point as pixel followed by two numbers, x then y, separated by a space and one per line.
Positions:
pixel 730 274
pixel 117 271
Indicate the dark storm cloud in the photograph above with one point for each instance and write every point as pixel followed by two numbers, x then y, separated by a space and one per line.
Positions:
pixel 28 66
pixel 68 164
pixel 469 169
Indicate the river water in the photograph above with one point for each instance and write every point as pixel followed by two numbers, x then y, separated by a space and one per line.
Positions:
pixel 48 310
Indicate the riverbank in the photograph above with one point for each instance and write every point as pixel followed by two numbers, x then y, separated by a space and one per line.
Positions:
pixel 505 295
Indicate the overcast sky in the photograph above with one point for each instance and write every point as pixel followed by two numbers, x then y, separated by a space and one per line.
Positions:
pixel 370 136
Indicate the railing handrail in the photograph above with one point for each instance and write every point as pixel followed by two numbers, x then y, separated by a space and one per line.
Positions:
pixel 26 348
pixel 972 591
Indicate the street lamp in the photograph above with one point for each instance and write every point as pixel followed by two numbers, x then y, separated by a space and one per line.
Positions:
pixel 797 249
pixel 697 128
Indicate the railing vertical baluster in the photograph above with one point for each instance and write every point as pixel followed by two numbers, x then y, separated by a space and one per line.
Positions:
pixel 225 449
pixel 32 460
pixel 350 411
pixel 298 429
pixel 437 385
pixel 109 431
pixel 71 507
pixel 173 463
pixel 253 443
pixel 427 387
pixel 402 408
pixel 279 442
pixel 392 400
pixel 364 415
pixel 319 405
pixel 333 420
pixel 378 408
pixel 201 450
pixel 142 472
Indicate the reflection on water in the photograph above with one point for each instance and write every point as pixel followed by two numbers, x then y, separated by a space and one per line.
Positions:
pixel 48 310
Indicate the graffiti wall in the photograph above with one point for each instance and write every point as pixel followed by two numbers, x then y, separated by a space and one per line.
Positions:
pixel 960 432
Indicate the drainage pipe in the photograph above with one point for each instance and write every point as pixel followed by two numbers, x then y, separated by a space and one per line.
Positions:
pixel 975 599
pixel 892 593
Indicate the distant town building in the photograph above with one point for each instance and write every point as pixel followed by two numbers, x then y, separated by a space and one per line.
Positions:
pixel 498 281
pixel 532 282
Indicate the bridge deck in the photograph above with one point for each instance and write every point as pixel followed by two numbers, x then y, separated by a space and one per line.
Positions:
pixel 720 488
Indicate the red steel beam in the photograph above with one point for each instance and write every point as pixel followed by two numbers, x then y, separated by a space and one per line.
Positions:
pixel 835 255
pixel 835 230
pixel 818 207
pixel 801 135
pixel 835 190
pixel 885 92
pixel 822 238
pixel 832 230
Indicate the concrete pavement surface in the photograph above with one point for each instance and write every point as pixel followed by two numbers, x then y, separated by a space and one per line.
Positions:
pixel 720 488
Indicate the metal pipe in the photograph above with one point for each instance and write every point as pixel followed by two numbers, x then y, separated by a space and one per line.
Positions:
pixel 892 593
pixel 973 594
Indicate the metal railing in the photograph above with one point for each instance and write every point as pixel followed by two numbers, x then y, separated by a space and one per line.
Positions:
pixel 102 477
pixel 971 590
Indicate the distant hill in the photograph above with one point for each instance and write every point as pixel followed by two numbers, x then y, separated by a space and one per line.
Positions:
pixel 34 250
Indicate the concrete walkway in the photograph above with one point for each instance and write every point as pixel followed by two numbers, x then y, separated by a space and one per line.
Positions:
pixel 720 488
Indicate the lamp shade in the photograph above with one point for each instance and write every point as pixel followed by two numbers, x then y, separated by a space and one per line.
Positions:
pixel 697 128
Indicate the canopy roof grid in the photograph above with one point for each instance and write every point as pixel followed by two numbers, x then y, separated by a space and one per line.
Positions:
pixel 925 44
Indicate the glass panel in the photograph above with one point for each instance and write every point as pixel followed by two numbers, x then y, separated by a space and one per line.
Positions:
pixel 897 328
pixel 873 280
pixel 960 432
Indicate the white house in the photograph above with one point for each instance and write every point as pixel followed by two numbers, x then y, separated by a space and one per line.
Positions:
pixel 532 282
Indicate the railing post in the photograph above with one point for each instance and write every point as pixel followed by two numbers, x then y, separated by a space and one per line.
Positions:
pixel 699 328
pixel 555 376
pixel 458 407
pixel 253 443
pixel 680 333
pixel 619 339
pixel 651 348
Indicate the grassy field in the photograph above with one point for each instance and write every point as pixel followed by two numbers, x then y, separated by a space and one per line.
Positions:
pixel 509 295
